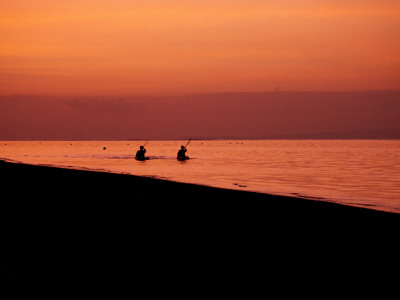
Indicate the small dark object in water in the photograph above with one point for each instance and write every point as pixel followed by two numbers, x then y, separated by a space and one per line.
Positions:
pixel 104 148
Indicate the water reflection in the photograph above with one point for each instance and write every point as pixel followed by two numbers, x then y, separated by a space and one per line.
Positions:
pixel 357 172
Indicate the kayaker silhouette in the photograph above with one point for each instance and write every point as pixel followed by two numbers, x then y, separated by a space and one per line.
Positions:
pixel 140 154
pixel 182 154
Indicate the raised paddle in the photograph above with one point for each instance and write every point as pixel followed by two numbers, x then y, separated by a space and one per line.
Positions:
pixel 188 142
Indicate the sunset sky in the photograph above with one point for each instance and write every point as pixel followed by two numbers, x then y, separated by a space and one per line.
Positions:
pixel 115 69
pixel 169 47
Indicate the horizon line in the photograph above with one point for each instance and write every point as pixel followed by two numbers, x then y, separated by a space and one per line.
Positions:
pixel 200 93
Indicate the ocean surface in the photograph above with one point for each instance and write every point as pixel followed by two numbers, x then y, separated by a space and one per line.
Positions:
pixel 362 173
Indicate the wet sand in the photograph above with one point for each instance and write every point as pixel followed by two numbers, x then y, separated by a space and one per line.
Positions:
pixel 61 225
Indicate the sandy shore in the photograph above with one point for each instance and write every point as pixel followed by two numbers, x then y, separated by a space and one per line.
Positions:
pixel 63 225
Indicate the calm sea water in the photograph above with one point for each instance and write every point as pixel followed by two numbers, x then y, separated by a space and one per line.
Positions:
pixel 355 172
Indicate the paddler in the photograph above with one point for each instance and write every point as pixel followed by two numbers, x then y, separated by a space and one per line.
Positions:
pixel 140 153
pixel 182 153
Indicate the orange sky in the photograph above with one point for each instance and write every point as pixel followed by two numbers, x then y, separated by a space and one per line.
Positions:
pixel 127 47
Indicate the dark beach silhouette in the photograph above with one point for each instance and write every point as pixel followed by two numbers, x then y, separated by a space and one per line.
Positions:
pixel 62 225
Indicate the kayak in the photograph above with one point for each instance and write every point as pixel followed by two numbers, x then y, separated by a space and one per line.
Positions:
pixel 182 158
pixel 141 158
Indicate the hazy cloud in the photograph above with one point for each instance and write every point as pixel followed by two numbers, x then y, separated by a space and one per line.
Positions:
pixel 103 105
pixel 235 115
